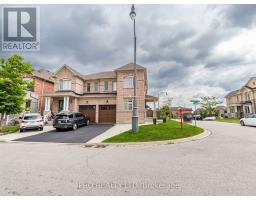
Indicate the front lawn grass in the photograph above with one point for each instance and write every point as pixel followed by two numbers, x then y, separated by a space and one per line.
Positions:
pixel 229 120
pixel 9 129
pixel 164 131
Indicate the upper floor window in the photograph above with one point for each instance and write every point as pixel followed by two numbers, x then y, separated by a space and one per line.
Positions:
pixel 128 104
pixel 88 87
pixel 114 85
pixel 128 82
pixel 237 98
pixel 247 96
pixel 105 85
pixel 65 85
pixel 96 87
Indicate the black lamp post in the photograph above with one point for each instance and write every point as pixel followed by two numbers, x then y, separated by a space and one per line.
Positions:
pixel 135 127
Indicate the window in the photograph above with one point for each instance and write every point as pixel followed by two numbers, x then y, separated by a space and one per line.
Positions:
pixel 114 85
pixel 128 82
pixel 65 84
pixel 96 87
pixel 106 86
pixel 128 104
pixel 88 87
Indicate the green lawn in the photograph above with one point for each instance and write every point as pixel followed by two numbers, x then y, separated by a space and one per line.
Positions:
pixel 9 129
pixel 164 131
pixel 229 120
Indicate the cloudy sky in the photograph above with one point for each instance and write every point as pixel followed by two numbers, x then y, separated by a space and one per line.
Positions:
pixel 189 50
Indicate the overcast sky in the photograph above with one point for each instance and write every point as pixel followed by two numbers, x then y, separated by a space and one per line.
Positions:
pixel 189 50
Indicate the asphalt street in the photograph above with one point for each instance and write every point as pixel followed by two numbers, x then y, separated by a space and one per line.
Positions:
pixel 224 163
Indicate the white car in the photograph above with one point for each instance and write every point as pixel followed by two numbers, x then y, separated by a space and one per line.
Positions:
pixel 210 118
pixel 248 121
pixel 31 121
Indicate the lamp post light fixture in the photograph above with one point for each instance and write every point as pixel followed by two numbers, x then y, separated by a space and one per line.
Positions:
pixel 135 127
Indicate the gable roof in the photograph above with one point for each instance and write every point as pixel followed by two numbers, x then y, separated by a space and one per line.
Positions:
pixel 76 73
pixel 232 93
pixel 100 75
pixel 44 74
pixel 130 66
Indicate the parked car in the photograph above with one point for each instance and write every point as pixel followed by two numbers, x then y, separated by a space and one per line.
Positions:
pixel 209 118
pixel 197 117
pixel 31 121
pixel 66 120
pixel 248 121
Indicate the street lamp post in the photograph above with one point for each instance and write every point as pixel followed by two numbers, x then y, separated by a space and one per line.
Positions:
pixel 195 102
pixel 135 127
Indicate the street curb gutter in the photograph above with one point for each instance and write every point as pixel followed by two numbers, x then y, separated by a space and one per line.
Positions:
pixel 200 136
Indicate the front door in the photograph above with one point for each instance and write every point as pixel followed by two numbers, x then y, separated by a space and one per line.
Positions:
pixel 61 104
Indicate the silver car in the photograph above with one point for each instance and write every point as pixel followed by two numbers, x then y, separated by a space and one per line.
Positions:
pixel 31 121
pixel 248 120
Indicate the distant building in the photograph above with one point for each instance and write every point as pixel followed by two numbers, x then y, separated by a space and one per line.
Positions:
pixel 176 111
pixel 242 102
pixel 221 110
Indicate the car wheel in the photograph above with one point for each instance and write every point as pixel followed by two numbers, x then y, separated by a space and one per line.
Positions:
pixel 74 126
pixel 242 123
pixel 42 128
pixel 88 122
pixel 57 129
pixel 21 130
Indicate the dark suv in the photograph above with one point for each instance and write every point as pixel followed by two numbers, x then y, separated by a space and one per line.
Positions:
pixel 65 120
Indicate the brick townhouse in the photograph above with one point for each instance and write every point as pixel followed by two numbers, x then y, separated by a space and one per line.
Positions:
pixel 242 102
pixel 43 84
pixel 106 97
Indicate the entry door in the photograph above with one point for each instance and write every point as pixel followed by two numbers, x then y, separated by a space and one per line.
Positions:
pixel 107 114
pixel 61 104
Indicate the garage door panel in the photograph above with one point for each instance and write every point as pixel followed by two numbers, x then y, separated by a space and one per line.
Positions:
pixel 89 110
pixel 107 113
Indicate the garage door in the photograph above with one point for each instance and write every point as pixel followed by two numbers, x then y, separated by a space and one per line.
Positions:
pixel 107 114
pixel 89 110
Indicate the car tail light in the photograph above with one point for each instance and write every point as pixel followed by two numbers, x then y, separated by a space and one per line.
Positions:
pixel 24 122
pixel 40 120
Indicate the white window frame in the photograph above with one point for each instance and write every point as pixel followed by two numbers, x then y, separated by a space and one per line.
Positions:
pixel 97 83
pixel 106 83
pixel 63 86
pixel 128 82
pixel 114 86
pixel 128 104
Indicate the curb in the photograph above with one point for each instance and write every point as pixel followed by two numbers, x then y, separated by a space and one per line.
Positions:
pixel 200 136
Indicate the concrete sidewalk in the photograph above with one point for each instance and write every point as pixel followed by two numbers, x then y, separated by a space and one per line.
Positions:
pixel 14 136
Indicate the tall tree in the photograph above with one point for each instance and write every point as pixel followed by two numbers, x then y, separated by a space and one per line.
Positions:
pixel 208 104
pixel 13 86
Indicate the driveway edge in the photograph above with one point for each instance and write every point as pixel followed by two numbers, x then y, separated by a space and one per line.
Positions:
pixel 200 136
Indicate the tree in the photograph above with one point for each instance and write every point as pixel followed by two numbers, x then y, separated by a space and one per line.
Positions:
pixel 13 86
pixel 165 111
pixel 208 104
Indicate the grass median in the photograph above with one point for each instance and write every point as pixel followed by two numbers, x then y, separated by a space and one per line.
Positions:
pixel 229 120
pixel 164 131
pixel 9 129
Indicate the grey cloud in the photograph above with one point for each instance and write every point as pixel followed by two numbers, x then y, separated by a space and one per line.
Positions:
pixel 171 43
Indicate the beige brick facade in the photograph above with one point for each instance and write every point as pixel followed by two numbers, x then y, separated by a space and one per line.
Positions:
pixel 242 102
pixel 82 93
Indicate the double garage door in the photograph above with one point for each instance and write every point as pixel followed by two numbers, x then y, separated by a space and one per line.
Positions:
pixel 107 113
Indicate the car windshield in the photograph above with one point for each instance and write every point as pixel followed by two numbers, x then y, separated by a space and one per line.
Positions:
pixel 32 117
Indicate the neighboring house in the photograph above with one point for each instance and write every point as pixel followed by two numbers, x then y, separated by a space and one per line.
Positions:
pixel 43 84
pixel 106 97
pixel 221 110
pixel 176 111
pixel 242 102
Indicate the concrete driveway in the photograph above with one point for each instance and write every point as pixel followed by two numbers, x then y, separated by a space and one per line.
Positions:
pixel 221 164
pixel 81 135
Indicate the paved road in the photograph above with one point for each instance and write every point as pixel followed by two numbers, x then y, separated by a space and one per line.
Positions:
pixel 222 164
pixel 81 135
